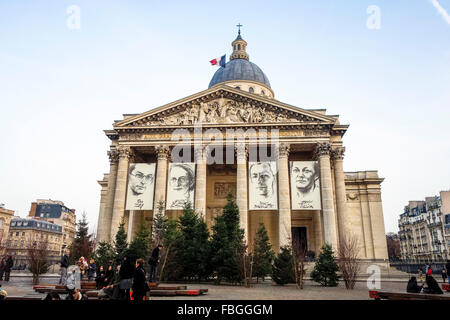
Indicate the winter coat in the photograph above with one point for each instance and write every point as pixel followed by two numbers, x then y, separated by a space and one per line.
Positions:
pixel 8 264
pixel 126 270
pixel 109 277
pixel 91 270
pixel 70 281
pixel 429 272
pixel 433 286
pixel 154 258
pixel 413 287
pixel 139 282
pixel 65 261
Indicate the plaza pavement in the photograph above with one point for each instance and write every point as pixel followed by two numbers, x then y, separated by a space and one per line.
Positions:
pixel 21 286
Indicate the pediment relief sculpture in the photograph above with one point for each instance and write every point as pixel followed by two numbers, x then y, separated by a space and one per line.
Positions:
pixel 227 112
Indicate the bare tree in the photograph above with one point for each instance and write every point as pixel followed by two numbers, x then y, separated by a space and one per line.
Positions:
pixel 38 258
pixel 299 257
pixel 393 246
pixel 348 262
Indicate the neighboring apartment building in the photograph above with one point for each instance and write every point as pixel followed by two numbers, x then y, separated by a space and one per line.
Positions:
pixel 24 233
pixel 5 218
pixel 56 212
pixel 424 229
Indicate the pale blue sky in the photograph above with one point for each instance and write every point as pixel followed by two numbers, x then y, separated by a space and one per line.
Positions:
pixel 59 88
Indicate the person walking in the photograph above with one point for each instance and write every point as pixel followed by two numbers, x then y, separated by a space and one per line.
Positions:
pixel 444 275
pixel 154 261
pixel 8 265
pixel 63 267
pixel 2 267
pixel 126 276
pixel 429 271
pixel 91 270
pixel 140 285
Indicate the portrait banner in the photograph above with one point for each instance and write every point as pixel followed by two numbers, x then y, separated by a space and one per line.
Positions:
pixel 262 185
pixel 180 185
pixel 305 185
pixel 141 185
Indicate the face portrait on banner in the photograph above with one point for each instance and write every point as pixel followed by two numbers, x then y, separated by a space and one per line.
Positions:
pixel 180 185
pixel 305 185
pixel 262 185
pixel 141 179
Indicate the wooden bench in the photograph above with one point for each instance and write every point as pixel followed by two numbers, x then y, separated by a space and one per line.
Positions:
pixel 446 287
pixel 386 295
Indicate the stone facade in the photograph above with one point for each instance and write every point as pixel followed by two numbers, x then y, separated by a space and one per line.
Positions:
pixel 5 218
pixel 424 229
pixel 234 123
pixel 25 233
pixel 56 212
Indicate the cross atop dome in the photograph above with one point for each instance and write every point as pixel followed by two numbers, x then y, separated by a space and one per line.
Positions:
pixel 239 26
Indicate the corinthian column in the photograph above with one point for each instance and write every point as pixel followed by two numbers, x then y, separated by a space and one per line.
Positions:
pixel 241 187
pixel 284 199
pixel 200 181
pixel 329 216
pixel 161 175
pixel 104 219
pixel 121 189
pixel 339 182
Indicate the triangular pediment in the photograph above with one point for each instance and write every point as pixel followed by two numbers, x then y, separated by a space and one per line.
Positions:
pixel 224 105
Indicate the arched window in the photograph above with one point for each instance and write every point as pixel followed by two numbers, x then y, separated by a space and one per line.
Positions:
pixel 239 47
pixel 262 92
pixel 239 88
pixel 251 90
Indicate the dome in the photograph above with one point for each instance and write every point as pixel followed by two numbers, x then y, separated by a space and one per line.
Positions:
pixel 239 69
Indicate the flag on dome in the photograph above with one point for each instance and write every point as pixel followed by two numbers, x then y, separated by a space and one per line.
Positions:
pixel 219 62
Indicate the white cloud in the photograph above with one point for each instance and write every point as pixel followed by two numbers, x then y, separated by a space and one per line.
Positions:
pixel 441 10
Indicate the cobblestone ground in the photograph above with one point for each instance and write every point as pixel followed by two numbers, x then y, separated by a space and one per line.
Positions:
pixel 22 286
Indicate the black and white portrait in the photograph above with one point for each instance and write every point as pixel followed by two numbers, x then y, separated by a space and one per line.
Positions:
pixel 305 185
pixel 141 179
pixel 180 185
pixel 262 178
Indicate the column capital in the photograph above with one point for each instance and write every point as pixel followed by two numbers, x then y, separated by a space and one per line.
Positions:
pixel 125 152
pixel 283 150
pixel 201 153
pixel 113 155
pixel 322 149
pixel 338 153
pixel 241 151
pixel 162 151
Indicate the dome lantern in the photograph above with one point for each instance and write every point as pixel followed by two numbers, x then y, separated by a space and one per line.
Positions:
pixel 239 45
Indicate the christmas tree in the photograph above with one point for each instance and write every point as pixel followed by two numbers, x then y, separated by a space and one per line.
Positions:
pixel 263 254
pixel 325 269
pixel 139 247
pixel 283 267
pixel 120 244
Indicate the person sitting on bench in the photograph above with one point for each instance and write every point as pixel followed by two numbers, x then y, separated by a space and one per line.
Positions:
pixel 413 287
pixel 432 286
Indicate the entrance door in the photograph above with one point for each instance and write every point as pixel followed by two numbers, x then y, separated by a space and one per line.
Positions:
pixel 299 239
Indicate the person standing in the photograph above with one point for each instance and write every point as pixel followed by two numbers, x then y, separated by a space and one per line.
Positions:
pixel 140 285
pixel 447 266
pixel 64 265
pixel 8 265
pixel 154 261
pixel 126 276
pixel 429 271
pixel 420 272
